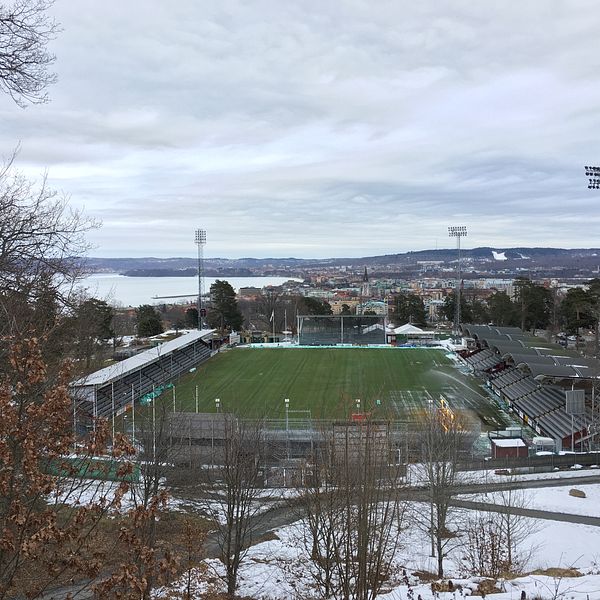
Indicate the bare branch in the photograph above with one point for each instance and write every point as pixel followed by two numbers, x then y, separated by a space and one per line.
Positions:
pixel 25 30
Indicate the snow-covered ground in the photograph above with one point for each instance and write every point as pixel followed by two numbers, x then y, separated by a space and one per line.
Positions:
pixel 553 499
pixel 416 475
pixel 558 499
pixel 280 568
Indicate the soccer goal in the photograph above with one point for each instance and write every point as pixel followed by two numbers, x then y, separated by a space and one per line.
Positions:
pixel 329 330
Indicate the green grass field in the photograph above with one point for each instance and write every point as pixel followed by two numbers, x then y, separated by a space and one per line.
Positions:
pixel 254 382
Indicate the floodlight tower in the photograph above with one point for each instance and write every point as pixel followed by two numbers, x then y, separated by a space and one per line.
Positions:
pixel 457 232
pixel 200 241
pixel 594 177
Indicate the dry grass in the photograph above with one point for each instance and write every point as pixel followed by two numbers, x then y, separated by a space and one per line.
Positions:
pixel 109 552
pixel 425 576
pixel 558 572
pixel 487 586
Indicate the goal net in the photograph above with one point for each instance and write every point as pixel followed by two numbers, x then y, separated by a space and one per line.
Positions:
pixel 360 330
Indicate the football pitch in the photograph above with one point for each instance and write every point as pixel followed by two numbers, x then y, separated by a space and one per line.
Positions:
pixel 397 383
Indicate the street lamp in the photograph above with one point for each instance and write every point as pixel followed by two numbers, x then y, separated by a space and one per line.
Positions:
pixel 217 404
pixel 287 429
pixel 358 405
pixel 287 413
pixel 457 232
pixel 200 241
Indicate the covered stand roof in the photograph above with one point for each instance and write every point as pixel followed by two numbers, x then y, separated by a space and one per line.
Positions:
pixel 130 365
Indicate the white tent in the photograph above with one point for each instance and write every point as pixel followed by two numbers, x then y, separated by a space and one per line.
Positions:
pixel 408 329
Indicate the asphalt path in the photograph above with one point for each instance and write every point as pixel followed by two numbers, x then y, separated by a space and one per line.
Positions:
pixel 528 512
pixel 280 515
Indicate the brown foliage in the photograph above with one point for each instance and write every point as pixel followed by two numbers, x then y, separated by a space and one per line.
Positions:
pixel 149 565
pixel 42 538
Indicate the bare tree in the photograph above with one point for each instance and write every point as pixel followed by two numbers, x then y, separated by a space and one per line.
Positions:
pixel 495 542
pixel 25 30
pixel 443 434
pixel 40 242
pixel 234 490
pixel 39 232
pixel 352 512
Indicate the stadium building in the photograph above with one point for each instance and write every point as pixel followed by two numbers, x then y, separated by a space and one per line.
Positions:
pixel 107 392
pixel 535 379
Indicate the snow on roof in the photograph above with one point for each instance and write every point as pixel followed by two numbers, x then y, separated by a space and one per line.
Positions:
pixel 408 328
pixel 509 443
pixel 108 374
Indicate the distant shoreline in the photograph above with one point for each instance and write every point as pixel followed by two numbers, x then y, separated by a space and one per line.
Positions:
pixel 188 273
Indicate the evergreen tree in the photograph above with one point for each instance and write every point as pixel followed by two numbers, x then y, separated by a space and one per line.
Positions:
pixel 224 311
pixel 466 314
pixel 409 308
pixel 479 311
pixel 502 311
pixel 346 310
pixel 191 318
pixel 148 321
pixel 534 304
pixel 92 324
pixel 577 310
pixel 314 306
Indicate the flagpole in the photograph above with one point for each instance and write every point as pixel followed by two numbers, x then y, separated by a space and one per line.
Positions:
pixel 132 414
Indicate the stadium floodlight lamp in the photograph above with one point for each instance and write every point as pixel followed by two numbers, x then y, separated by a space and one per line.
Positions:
pixel 200 240
pixel 594 173
pixel 217 403
pixel 200 236
pixel 457 231
pixel 287 402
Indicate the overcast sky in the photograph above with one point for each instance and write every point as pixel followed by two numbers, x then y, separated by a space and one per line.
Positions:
pixel 320 128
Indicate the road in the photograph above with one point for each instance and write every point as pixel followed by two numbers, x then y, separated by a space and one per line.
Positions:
pixel 528 512
pixel 281 515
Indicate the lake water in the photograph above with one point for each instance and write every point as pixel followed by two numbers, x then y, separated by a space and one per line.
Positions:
pixel 134 291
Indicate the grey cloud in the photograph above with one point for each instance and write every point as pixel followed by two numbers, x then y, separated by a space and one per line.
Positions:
pixel 315 130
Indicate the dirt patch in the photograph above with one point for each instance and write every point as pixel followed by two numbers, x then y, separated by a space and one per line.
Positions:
pixel 487 586
pixel 425 576
pixel 270 536
pixel 558 572
pixel 577 493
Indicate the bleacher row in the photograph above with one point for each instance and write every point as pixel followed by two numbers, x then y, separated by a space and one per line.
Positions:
pixel 541 406
pixel 147 378
pixel 482 360
pixel 109 390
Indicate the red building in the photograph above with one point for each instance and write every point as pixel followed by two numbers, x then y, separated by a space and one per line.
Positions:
pixel 509 447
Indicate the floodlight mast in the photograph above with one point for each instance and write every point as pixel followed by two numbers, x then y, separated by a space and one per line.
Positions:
pixel 593 173
pixel 200 241
pixel 457 232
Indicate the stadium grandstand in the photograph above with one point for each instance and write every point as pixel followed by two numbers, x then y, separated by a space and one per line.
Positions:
pixel 532 377
pixel 107 392
pixel 363 330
